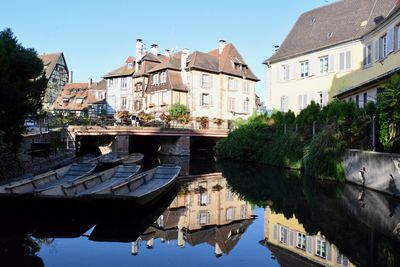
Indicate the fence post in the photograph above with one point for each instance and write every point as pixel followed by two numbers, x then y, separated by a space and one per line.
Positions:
pixel 313 128
pixel 373 132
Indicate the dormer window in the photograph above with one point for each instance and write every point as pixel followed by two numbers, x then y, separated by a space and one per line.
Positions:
pixel 237 66
pixel 312 21
pixel 329 35
pixel 130 65
pixel 79 100
pixel 65 99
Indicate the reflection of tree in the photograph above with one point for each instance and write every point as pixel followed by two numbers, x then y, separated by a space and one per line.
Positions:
pixel 316 205
pixel 20 252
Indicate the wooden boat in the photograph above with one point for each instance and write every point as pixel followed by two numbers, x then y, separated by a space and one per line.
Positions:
pixel 49 179
pixel 114 159
pixel 141 188
pixel 101 179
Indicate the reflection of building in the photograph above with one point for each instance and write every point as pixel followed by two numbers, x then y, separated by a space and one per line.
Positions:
pixel 205 211
pixel 325 44
pixel 292 246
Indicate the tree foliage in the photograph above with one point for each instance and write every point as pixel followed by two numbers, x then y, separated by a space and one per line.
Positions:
pixel 177 111
pixel 389 114
pixel 22 85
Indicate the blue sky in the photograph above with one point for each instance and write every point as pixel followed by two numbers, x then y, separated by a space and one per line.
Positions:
pixel 97 36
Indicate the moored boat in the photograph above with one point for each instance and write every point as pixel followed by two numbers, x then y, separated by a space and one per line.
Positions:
pixel 106 178
pixel 141 188
pixel 49 179
pixel 134 158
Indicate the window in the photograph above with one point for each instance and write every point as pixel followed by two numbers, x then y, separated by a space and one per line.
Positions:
pixel 163 77
pixel 124 82
pixel 321 248
pixel 303 102
pixel 79 100
pixel 205 100
pixel 283 235
pixel 138 87
pixel 230 214
pixel 358 101
pixel 111 82
pixel 205 81
pixel 383 46
pixel 301 241
pixel 304 69
pixel 155 79
pixel 231 84
pixel 237 66
pixel 123 102
pixel 367 55
pixel 203 217
pixel 229 195
pixel 323 65
pixel 243 211
pixel 345 60
pixel 342 259
pixel 231 104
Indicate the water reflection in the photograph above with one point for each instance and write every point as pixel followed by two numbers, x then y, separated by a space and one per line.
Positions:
pixel 336 222
pixel 204 211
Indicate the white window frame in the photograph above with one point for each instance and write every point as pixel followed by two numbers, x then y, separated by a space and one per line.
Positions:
pixel 383 46
pixel 342 260
pixel 124 83
pixel 231 84
pixel 203 217
pixel 301 241
pixel 304 69
pixel 321 248
pixel 230 214
pixel 243 211
pixel 231 104
pixel 124 101
pixel 246 87
pixel 205 81
pixel 367 55
pixel 205 100
pixel 324 65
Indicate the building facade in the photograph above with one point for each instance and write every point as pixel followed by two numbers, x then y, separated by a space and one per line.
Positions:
pixel 56 70
pixel 217 84
pixel 325 46
pixel 381 59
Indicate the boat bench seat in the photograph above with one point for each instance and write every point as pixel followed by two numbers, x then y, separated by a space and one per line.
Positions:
pixel 130 185
pixel 31 184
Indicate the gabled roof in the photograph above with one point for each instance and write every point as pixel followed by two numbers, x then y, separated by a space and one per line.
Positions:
pixel 153 58
pixel 336 23
pixel 221 63
pixel 120 72
pixel 72 92
pixel 50 62
pixel 172 62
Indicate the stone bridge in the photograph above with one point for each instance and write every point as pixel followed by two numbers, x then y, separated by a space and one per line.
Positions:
pixel 128 139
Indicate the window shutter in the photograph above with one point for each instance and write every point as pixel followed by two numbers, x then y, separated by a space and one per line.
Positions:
pixel 390 40
pixel 211 81
pixel 235 85
pixel 365 55
pixel 210 99
pixel 200 99
pixel 200 80
pixel 305 103
pixel 324 98
pixel 199 200
pixel 287 72
pixel 328 251
pixel 198 218
pixel 348 60
pixel 291 238
pixel 377 50
pixel 300 103
pixel 331 63
pixel 208 217
pixel 286 103
pixel 278 74
pixel 309 244
pixel 341 61
pixel 293 71
pixel 275 232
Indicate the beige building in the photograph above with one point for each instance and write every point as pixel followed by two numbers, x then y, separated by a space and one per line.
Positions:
pixel 217 84
pixel 292 246
pixel 205 211
pixel 381 59
pixel 324 46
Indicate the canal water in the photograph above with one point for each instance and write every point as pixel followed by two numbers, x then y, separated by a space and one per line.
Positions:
pixel 222 214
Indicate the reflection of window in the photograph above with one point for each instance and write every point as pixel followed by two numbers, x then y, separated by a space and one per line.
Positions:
pixel 229 195
pixel 243 211
pixel 203 217
pixel 230 214
pixel 283 235
pixel 301 241
pixel 203 198
pixel 123 101
pixel 321 248
pixel 342 259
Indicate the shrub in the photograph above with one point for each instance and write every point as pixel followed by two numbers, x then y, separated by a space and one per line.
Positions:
pixel 178 110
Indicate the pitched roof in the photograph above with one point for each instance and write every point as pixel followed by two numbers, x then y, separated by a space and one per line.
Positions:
pixel 67 100
pixel 93 89
pixel 120 72
pixel 336 23
pixel 50 62
pixel 221 63
pixel 172 62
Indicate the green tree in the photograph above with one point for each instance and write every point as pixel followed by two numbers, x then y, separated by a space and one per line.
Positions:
pixel 22 85
pixel 177 111
pixel 389 114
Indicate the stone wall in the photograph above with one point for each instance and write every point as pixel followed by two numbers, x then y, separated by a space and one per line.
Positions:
pixel 377 171
pixel 176 146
